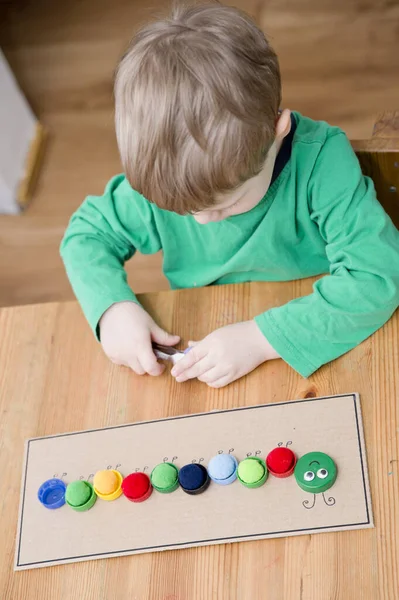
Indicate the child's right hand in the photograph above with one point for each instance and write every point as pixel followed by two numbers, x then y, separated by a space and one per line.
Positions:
pixel 126 332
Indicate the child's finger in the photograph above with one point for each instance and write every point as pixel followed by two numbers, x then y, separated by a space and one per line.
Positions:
pixel 221 382
pixel 156 370
pixel 191 344
pixel 195 371
pixel 197 353
pixel 213 374
pixel 149 361
pixel 161 336
pixel 135 365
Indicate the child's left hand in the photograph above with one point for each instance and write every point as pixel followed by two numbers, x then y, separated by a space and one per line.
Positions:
pixel 225 355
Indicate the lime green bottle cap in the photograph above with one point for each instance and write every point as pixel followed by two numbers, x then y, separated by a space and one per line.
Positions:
pixel 164 478
pixel 80 495
pixel 252 472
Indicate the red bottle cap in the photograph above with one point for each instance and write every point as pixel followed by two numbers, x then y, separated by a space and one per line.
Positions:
pixel 281 462
pixel 137 487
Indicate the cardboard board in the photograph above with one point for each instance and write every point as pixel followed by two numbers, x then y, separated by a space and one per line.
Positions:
pixel 221 514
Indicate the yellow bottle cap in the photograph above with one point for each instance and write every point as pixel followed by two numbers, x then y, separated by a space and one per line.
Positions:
pixel 108 484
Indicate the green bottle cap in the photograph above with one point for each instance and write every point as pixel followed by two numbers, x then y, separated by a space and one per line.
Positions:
pixel 164 478
pixel 315 472
pixel 80 495
pixel 252 472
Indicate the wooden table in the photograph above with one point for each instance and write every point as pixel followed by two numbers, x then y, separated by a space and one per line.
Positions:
pixel 54 378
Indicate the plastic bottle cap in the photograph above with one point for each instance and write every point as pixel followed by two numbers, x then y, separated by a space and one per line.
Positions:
pixel 252 472
pixel 164 477
pixel 315 472
pixel 222 469
pixel 108 484
pixel 193 478
pixel 52 493
pixel 80 495
pixel 281 462
pixel 137 487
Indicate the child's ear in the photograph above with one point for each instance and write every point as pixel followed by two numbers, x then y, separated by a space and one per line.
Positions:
pixel 283 124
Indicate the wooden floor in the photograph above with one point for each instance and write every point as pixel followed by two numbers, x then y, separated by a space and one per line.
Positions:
pixel 339 59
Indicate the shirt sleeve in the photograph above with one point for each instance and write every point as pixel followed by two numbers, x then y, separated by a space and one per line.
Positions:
pixel 102 235
pixel 361 291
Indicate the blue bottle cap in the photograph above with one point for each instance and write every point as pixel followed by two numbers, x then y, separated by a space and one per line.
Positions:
pixel 52 493
pixel 193 478
pixel 222 469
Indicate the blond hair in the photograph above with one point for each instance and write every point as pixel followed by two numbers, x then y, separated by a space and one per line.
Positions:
pixel 197 97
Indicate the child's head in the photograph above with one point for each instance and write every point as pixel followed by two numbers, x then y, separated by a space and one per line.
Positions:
pixel 197 99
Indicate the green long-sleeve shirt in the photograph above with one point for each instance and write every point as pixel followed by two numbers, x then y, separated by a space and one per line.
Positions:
pixel 320 215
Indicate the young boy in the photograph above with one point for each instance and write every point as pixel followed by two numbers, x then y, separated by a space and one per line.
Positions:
pixel 231 189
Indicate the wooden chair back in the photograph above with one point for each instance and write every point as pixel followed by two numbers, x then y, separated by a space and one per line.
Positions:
pixel 379 159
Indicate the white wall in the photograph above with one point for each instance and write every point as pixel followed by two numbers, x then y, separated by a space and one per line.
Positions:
pixel 17 129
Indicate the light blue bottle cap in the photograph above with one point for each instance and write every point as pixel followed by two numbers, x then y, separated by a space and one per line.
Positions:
pixel 222 469
pixel 52 493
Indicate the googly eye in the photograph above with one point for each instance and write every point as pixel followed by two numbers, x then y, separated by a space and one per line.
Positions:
pixel 322 473
pixel 309 476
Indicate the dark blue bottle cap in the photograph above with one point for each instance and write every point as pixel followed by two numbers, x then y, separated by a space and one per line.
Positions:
pixel 193 478
pixel 52 493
